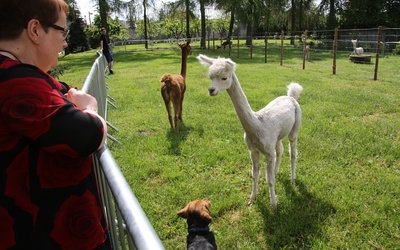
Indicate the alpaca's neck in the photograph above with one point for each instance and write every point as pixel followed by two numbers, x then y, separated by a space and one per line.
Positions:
pixel 184 63
pixel 243 110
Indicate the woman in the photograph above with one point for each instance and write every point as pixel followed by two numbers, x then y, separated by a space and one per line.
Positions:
pixel 48 192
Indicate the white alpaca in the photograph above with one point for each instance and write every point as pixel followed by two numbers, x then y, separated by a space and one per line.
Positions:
pixel 264 129
pixel 357 51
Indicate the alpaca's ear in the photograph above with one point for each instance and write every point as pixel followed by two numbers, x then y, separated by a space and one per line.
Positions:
pixel 230 64
pixel 205 60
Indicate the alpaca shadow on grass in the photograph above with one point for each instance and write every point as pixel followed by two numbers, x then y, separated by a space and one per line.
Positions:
pixel 297 222
pixel 176 139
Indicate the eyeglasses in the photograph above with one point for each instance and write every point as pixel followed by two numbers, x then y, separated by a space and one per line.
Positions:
pixel 65 31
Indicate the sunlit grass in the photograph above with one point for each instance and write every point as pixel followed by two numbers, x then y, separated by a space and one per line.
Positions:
pixel 347 194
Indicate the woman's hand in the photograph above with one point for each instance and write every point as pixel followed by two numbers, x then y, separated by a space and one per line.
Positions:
pixel 81 100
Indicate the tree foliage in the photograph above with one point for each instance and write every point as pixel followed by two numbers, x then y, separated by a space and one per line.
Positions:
pixel 370 13
pixel 187 18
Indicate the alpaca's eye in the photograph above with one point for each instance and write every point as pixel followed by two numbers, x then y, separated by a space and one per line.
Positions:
pixel 224 78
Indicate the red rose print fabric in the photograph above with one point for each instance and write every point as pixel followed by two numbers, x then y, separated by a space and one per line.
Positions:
pixel 76 224
pixel 48 191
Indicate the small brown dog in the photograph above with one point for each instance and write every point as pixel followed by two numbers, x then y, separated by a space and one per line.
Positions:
pixel 197 214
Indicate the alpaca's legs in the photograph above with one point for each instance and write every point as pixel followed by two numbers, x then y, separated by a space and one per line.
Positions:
pixel 181 104
pixel 167 102
pixel 177 109
pixel 279 152
pixel 176 123
pixel 180 110
pixel 293 157
pixel 270 177
pixel 168 107
pixel 255 161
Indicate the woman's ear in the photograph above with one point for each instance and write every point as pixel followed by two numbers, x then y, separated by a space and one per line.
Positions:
pixel 34 28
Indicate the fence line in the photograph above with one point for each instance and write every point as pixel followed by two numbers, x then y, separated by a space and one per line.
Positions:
pixel 127 222
pixel 319 40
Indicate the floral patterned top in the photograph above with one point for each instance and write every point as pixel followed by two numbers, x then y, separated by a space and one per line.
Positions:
pixel 49 196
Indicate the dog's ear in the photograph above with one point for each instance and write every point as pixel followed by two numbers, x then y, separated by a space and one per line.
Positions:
pixel 184 212
pixel 205 211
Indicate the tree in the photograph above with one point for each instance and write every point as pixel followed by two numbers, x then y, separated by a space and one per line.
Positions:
pixel 370 13
pixel 146 3
pixel 229 7
pixel 188 6
pixel 77 39
pixel 114 31
pixel 333 7
pixel 104 8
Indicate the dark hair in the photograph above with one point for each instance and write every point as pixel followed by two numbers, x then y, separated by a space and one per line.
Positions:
pixel 15 15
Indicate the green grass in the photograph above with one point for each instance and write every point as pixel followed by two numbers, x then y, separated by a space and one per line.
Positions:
pixel 347 194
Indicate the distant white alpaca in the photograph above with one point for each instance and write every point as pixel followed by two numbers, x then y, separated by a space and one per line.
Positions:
pixel 264 129
pixel 359 50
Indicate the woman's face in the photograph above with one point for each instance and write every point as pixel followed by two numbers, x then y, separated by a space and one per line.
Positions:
pixel 53 43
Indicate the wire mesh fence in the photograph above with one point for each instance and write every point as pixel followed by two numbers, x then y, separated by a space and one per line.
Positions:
pixel 317 40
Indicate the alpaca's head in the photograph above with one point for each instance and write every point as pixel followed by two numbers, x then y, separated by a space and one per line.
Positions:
pixel 185 47
pixel 220 72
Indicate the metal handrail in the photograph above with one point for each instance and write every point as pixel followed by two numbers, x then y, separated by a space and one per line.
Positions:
pixel 138 225
pixel 129 217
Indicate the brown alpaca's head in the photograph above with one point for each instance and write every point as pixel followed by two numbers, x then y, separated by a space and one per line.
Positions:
pixel 185 47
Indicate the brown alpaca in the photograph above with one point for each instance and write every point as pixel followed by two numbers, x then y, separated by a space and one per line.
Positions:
pixel 173 88
pixel 307 52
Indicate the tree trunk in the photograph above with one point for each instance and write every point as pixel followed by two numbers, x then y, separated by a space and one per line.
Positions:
pixel 146 44
pixel 188 36
pixel 293 22
pixel 103 13
pixel 203 25
pixel 232 22
pixel 331 16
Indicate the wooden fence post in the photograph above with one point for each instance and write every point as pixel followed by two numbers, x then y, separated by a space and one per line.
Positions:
pixel 335 51
pixel 266 47
pixel 304 49
pixel 378 48
pixel 213 39
pixel 238 41
pixel 251 45
pixel 282 38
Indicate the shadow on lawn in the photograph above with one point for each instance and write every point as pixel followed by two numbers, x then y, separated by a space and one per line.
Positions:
pixel 297 222
pixel 176 139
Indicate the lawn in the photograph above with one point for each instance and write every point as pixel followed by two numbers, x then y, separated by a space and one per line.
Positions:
pixel 348 170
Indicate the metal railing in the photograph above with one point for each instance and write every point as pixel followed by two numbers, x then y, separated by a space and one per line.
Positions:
pixel 127 222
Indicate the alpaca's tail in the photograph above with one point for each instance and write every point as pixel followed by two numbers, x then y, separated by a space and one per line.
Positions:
pixel 294 90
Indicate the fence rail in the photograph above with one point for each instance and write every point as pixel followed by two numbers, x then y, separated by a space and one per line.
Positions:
pixel 319 40
pixel 128 224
